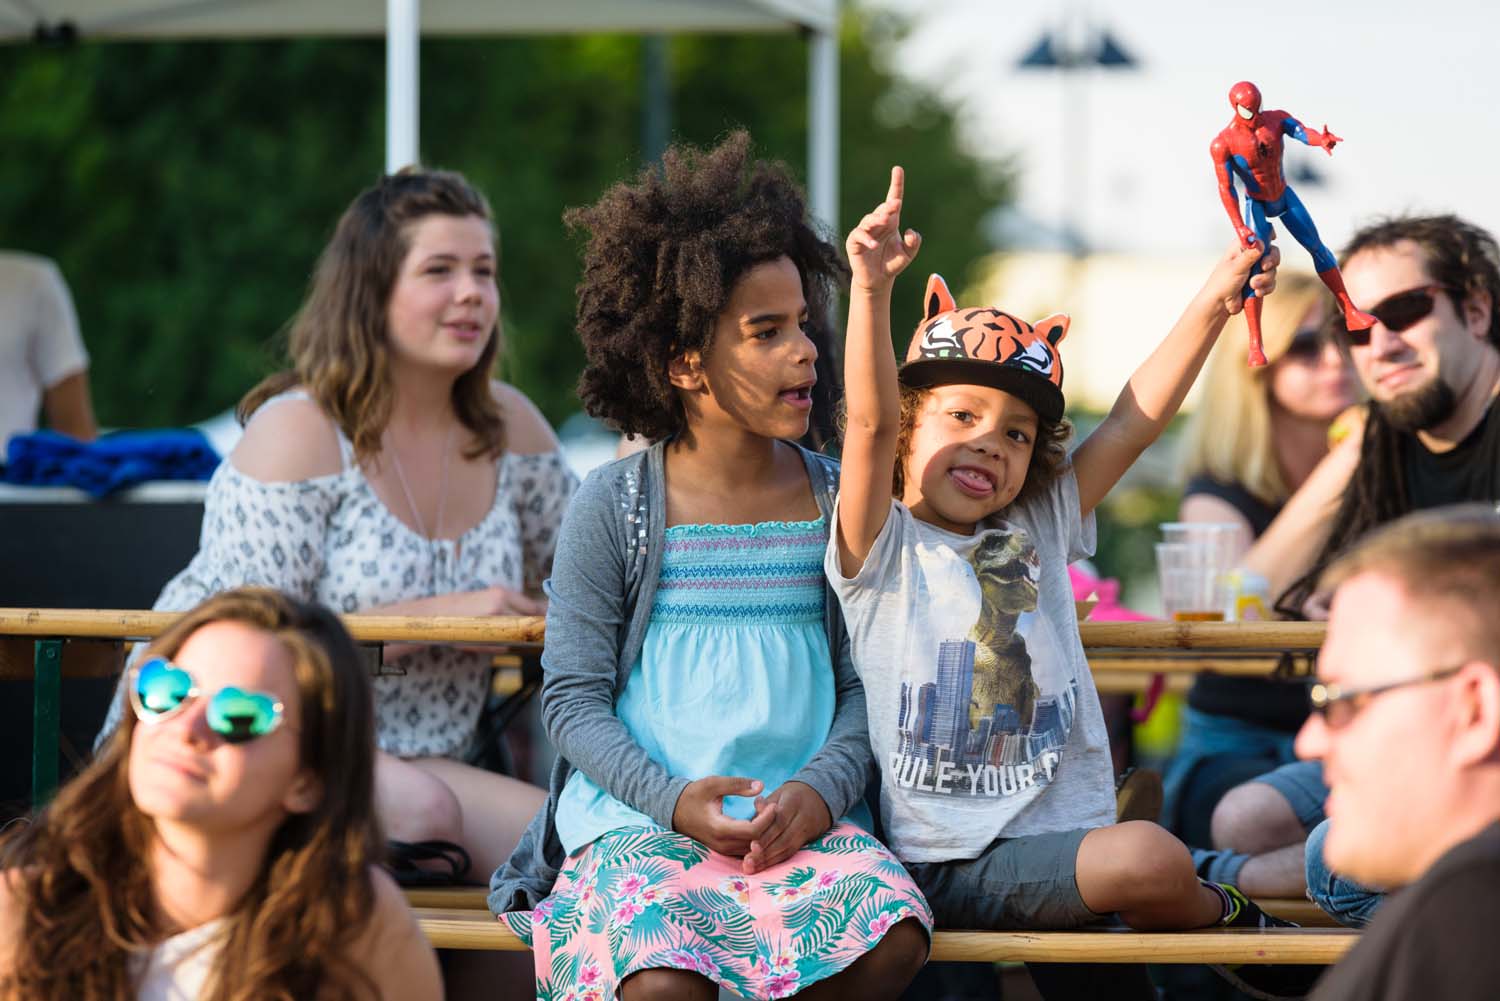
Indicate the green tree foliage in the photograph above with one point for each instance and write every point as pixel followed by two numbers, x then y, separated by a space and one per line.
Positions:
pixel 186 188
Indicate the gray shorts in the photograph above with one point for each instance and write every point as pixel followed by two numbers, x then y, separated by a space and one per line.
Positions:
pixel 1027 882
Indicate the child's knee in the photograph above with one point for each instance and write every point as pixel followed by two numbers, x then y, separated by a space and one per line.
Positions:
pixel 904 949
pixel 1146 862
pixel 667 985
pixel 1157 848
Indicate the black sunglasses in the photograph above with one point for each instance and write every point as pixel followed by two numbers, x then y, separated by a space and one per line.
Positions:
pixel 1306 346
pixel 1398 312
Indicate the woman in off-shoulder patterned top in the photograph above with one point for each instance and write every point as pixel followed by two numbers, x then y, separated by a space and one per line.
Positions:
pixel 386 472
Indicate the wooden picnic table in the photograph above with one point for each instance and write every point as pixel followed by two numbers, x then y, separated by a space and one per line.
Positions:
pixel 47 644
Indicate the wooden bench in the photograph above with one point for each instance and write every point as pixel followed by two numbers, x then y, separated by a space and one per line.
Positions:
pixel 472 898
pixel 466 928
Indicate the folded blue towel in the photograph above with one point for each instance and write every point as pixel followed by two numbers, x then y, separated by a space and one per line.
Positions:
pixel 115 461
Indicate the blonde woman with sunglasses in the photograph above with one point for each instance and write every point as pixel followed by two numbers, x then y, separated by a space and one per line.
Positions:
pixel 1257 435
pixel 223 844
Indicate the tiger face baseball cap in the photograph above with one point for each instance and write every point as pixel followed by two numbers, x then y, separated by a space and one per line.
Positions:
pixel 985 346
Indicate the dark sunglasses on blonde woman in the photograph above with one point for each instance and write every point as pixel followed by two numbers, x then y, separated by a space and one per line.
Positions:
pixel 1397 312
pixel 1306 347
pixel 160 690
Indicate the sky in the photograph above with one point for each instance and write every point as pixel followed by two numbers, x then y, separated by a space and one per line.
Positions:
pixel 1409 87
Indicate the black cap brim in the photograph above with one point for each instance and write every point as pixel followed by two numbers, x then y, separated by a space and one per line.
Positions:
pixel 1045 398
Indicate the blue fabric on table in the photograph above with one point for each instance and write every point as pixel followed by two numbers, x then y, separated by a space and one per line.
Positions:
pixel 114 461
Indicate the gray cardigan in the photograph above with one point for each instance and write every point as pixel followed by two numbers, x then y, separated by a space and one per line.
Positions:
pixel 602 589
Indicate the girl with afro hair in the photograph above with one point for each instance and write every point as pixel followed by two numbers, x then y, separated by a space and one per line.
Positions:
pixel 705 822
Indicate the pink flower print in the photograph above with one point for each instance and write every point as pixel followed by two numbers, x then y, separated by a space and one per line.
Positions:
pixel 542 910
pixel 782 962
pixel 827 879
pixel 737 887
pixel 589 975
pixel 882 924
pixel 788 894
pixel 631 885
pixel 586 890
pixel 592 994
pixel 781 985
pixel 627 911
pixel 692 959
pixel 759 967
pixel 648 896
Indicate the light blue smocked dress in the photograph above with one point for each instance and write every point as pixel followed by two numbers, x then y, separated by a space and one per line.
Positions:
pixel 734 677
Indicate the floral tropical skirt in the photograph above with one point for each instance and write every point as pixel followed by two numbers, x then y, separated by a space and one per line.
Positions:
pixel 644 898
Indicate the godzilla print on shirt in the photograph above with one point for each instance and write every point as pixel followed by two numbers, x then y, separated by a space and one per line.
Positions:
pixel 983 716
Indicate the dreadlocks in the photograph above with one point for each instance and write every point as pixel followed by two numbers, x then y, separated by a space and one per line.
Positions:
pixel 1465 261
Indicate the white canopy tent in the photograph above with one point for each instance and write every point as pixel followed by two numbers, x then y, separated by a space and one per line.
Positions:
pixel 403 22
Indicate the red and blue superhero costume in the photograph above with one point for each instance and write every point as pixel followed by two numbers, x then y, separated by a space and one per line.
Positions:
pixel 1250 148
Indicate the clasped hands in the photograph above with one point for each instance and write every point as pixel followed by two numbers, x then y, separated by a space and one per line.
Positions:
pixel 785 820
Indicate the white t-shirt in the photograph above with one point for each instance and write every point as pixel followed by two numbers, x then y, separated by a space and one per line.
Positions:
pixel 983 715
pixel 39 341
pixel 178 969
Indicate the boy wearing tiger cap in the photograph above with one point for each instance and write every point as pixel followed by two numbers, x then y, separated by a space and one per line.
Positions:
pixel 958 513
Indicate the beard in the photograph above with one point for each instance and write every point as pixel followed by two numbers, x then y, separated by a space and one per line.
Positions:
pixel 1423 408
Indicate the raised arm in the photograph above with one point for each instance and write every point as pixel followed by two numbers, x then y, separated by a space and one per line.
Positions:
pixel 1151 398
pixel 878 252
pixel 1286 549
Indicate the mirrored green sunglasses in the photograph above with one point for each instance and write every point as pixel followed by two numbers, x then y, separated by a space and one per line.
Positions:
pixel 160 689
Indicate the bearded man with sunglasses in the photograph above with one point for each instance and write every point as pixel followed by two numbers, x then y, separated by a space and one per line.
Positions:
pixel 1431 367
pixel 1406 722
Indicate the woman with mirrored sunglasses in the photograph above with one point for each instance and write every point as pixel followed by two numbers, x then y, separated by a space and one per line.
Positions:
pixel 223 844
pixel 1256 436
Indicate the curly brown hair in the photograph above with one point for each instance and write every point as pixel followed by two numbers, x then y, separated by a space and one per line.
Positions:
pixel 1049 455
pixel 662 257
pixel 81 879
pixel 339 346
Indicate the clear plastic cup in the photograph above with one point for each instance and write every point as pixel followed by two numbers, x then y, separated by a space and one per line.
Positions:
pixel 1191 577
pixel 1225 541
pixel 1225 538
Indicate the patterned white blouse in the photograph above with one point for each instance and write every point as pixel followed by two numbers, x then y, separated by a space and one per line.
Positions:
pixel 330 539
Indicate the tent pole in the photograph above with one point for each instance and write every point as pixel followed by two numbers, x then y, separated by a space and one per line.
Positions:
pixel 403 33
pixel 823 126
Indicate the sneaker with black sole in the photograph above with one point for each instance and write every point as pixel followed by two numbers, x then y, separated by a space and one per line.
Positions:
pixel 1269 982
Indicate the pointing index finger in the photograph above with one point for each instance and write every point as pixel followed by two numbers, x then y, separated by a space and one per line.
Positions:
pixel 898 185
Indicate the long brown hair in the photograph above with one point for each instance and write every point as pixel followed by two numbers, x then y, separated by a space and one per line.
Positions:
pixel 1229 436
pixel 80 870
pixel 338 342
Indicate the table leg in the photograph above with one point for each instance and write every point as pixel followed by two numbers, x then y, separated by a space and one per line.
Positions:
pixel 46 723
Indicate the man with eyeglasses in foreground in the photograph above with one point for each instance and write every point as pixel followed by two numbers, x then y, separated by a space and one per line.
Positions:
pixel 1406 722
pixel 1431 367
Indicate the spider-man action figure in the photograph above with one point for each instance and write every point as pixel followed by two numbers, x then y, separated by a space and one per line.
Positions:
pixel 1250 148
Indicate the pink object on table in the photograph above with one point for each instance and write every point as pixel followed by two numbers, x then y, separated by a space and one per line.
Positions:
pixel 1109 609
pixel 1107 591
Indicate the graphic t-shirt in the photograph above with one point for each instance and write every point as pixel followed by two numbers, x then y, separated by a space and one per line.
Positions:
pixel 983 714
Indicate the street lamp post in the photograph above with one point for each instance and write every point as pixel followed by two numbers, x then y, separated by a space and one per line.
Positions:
pixel 1055 51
